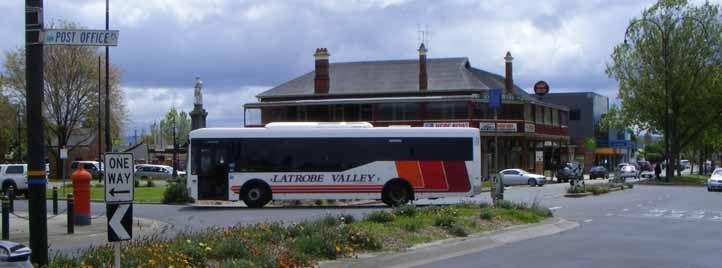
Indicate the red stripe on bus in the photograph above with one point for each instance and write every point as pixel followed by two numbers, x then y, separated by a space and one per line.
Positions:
pixel 457 176
pixel 433 173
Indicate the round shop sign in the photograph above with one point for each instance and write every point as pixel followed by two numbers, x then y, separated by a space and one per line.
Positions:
pixel 541 88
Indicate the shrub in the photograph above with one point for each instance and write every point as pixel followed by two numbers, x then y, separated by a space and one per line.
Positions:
pixel 629 185
pixel 330 221
pixel 380 216
pixel 487 215
pixel 236 263
pixel 405 210
pixel 444 221
pixel 347 218
pixel 506 204
pixel 412 226
pixel 318 202
pixel 484 205
pixel 457 230
pixel 363 239
pixel 136 183
pixel 150 183
pixel 316 245
pixel 229 248
pixel 177 193
pixel 575 190
pixel 598 189
pixel 541 211
pixel 331 201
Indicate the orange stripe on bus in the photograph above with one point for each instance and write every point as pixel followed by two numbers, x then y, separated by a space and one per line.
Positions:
pixel 410 171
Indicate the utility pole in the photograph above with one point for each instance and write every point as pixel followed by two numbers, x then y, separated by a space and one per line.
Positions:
pixel 36 147
pixel 108 141
pixel 18 149
pixel 175 151
pixel 100 116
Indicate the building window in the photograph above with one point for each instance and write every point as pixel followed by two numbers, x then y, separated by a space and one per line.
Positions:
pixel 398 111
pixel 481 111
pixel 338 113
pixel 574 114
pixel 563 118
pixel 528 112
pixel 366 112
pixel 273 115
pixel 547 115
pixel 511 112
pixel 446 110
pixel 555 117
pixel 539 114
pixel 318 113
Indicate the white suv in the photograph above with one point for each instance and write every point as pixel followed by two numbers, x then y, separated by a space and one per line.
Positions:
pixel 15 175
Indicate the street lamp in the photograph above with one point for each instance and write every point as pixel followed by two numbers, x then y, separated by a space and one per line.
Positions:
pixel 175 152
pixel 666 34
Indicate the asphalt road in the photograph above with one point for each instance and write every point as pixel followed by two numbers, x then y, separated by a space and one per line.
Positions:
pixel 649 226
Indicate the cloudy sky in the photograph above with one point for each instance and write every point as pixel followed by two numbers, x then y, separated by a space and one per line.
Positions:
pixel 240 48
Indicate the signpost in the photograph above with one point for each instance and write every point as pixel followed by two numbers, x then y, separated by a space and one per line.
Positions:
pixel 119 182
pixel 80 37
pixel 497 184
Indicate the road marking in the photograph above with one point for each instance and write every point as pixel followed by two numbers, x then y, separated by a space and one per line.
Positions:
pixel 716 218
pixel 652 214
pixel 609 214
pixel 674 215
pixel 696 217
pixel 588 220
pixel 698 212
pixel 554 208
pixel 658 211
pixel 677 211
pixel 626 209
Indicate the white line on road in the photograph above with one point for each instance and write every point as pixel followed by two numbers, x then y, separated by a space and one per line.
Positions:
pixel 626 209
pixel 554 208
pixel 609 214
pixel 588 220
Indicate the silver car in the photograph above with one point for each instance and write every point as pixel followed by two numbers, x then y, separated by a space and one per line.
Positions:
pixel 714 183
pixel 628 171
pixel 158 172
pixel 520 177
pixel 14 255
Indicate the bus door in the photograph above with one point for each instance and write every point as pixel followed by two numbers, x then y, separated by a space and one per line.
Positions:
pixel 213 159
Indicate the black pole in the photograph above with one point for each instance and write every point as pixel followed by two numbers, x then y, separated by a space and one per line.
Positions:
pixel 36 149
pixel 55 200
pixel 6 218
pixel 175 151
pixel 108 143
pixel 18 150
pixel 71 214
pixel 100 115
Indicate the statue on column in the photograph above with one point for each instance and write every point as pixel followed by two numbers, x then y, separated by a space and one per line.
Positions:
pixel 199 96
pixel 198 115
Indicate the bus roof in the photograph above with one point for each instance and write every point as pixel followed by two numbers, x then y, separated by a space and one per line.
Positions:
pixel 305 131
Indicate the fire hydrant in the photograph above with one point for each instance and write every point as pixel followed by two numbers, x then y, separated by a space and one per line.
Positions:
pixel 81 195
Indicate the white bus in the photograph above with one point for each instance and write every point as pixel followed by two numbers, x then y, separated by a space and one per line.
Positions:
pixel 295 161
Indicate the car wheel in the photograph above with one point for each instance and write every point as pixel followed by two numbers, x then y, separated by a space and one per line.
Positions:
pixel 709 189
pixel 532 182
pixel 396 194
pixel 256 195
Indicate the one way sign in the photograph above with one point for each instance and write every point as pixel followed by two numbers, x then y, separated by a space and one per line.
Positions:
pixel 120 222
pixel 119 179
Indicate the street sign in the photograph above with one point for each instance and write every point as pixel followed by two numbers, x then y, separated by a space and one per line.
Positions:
pixel 120 222
pixel 119 178
pixel 80 37
pixel 541 88
pixel 64 153
pixel 494 99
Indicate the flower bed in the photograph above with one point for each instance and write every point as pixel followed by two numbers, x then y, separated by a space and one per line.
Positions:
pixel 303 244
pixel 596 189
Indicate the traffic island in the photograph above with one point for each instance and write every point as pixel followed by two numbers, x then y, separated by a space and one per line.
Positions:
pixel 687 180
pixel 596 189
pixel 304 244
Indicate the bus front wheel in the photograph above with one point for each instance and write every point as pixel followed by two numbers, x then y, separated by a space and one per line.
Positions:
pixel 396 194
pixel 256 195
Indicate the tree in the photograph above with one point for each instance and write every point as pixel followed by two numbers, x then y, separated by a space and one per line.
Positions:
pixel 71 90
pixel 692 68
pixel 182 124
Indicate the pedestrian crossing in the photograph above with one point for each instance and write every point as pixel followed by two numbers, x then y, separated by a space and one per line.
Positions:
pixel 668 213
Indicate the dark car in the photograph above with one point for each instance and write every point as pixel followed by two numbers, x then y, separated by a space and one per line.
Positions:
pixel 569 172
pixel 644 166
pixel 598 172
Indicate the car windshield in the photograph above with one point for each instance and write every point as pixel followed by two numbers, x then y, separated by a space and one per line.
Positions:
pixel 522 171
pixel 718 172
pixel 628 168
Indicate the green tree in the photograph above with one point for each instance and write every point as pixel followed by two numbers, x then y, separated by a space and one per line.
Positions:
pixel 182 125
pixel 692 66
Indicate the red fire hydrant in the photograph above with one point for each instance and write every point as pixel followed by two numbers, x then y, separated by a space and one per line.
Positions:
pixel 81 195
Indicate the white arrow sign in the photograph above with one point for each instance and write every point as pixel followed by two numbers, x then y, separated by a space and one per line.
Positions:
pixel 119 177
pixel 115 223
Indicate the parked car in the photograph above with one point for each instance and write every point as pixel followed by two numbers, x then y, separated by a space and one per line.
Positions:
pixel 96 169
pixel 684 164
pixel 158 172
pixel 569 172
pixel 644 165
pixel 628 171
pixel 520 176
pixel 598 172
pixel 714 182
pixel 15 175
pixel 14 255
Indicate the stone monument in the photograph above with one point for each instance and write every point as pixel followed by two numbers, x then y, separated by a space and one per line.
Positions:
pixel 198 115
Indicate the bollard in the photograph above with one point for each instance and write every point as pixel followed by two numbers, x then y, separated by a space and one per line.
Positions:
pixel 55 200
pixel 6 218
pixel 71 215
pixel 11 197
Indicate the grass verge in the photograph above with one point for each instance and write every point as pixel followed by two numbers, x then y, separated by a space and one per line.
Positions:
pixel 304 244
pixel 690 180
pixel 142 194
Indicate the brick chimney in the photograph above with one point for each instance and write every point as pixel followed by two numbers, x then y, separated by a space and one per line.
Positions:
pixel 509 79
pixel 423 78
pixel 321 82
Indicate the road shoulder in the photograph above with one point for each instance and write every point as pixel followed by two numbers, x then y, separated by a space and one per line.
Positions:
pixel 454 247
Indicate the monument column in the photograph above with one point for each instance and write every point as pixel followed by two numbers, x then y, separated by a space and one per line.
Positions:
pixel 198 115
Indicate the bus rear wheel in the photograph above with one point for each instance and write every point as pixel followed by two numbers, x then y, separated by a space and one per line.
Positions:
pixel 256 195
pixel 396 194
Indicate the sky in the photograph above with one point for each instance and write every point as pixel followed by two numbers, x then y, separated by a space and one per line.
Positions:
pixel 241 48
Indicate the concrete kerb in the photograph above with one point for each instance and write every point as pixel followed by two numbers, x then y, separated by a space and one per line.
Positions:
pixel 454 247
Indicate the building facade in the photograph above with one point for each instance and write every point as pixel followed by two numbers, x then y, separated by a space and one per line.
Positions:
pixel 594 145
pixel 444 92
